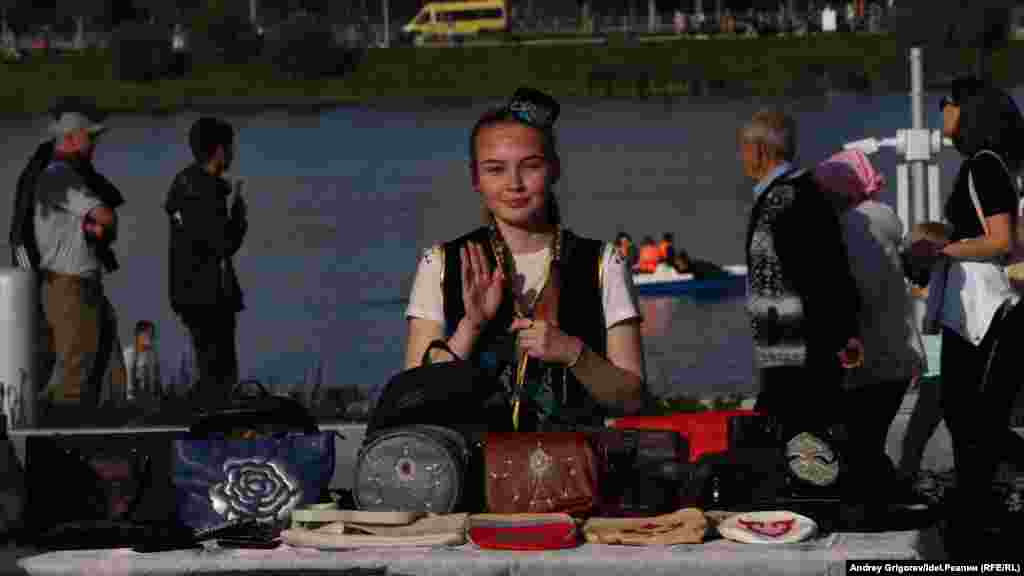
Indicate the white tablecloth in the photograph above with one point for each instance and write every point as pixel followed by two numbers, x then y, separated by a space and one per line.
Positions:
pixel 827 555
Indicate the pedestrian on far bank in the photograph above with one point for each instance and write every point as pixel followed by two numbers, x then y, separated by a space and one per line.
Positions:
pixel 204 289
pixel 803 304
pixel 873 234
pixel 75 222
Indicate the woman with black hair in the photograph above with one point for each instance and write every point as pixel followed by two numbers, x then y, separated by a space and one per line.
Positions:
pixel 971 302
pixel 551 316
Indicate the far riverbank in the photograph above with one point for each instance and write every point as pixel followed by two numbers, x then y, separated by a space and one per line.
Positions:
pixel 721 67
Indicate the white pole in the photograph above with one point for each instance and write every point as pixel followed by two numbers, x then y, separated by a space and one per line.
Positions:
pixel 934 196
pixel 917 123
pixel 387 26
pixel 903 195
pixel 652 14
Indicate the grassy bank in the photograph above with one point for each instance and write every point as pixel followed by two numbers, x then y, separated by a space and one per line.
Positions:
pixel 737 66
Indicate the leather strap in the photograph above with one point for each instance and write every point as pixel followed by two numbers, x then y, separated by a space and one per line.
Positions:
pixel 355 516
pixel 440 345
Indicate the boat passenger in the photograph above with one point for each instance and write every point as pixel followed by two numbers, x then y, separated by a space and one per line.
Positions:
pixel 666 249
pixel 627 250
pixel 974 307
pixel 552 316
pixel 650 256
pixel 701 269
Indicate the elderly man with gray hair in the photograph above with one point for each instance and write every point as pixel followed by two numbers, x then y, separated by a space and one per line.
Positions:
pixel 802 299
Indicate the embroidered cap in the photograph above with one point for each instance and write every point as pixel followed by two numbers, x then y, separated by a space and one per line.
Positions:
pixel 773 527
pixel 533 107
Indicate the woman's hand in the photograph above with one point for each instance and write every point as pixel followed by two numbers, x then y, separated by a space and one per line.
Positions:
pixel 852 355
pixel 926 250
pixel 482 288
pixel 546 341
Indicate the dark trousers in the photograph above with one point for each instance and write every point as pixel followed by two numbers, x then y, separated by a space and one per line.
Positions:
pixel 216 356
pixel 869 412
pixel 801 398
pixel 979 385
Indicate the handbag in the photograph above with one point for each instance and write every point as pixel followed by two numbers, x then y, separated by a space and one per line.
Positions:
pixel 258 458
pixel 642 472
pixel 263 479
pixel 684 526
pixel 98 490
pixel 432 530
pixel 991 279
pixel 706 432
pixel 254 415
pixel 540 472
pixel 453 394
pixel 413 469
pixel 545 531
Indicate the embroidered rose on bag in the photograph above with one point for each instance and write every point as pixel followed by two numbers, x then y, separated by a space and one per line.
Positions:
pixel 257 489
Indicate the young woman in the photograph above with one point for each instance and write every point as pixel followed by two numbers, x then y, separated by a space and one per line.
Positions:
pixel 976 311
pixel 551 316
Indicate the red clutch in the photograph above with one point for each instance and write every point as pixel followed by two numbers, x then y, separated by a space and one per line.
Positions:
pixel 707 432
pixel 523 531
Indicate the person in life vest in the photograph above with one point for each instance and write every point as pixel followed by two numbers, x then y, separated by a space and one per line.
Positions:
pixel 552 316
pixel 650 255
pixel 666 248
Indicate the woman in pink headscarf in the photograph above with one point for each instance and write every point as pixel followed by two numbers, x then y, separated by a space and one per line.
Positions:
pixel 893 351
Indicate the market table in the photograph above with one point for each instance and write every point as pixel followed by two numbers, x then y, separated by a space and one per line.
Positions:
pixel 826 555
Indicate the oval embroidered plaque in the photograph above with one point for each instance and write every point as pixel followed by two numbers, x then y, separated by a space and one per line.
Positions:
pixel 772 527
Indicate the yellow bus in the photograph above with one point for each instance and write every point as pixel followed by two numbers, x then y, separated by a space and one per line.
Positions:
pixel 469 18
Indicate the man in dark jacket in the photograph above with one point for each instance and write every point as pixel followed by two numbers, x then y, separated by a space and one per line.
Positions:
pixel 204 289
pixel 803 303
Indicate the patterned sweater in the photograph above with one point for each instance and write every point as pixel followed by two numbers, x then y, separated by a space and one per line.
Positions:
pixel 801 297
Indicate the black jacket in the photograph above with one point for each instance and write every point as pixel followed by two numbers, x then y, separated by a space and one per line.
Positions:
pixel 203 240
pixel 22 238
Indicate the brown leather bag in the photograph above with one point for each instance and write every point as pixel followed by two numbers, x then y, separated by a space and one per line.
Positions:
pixel 540 472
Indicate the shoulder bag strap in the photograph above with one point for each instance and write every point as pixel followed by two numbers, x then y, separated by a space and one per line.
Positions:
pixel 438 344
pixel 975 201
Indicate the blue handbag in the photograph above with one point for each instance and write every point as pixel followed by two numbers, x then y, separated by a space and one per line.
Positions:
pixel 220 479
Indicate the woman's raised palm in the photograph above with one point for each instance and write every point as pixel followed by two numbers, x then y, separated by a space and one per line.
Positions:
pixel 482 288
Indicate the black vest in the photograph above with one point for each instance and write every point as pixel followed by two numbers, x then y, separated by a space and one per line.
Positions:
pixel 580 314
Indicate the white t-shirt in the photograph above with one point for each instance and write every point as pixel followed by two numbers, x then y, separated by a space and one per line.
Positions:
pixel 618 295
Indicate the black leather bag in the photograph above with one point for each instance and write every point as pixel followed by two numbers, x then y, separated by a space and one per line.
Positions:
pixel 98 490
pixel 643 472
pixel 254 415
pixel 452 394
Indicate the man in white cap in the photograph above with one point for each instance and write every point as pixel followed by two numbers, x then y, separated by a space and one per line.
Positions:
pixel 74 225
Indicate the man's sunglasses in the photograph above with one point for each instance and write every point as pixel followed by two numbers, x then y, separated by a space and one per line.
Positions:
pixel 946 101
pixel 533 107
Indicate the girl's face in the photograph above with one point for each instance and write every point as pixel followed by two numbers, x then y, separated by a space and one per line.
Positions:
pixel 512 173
